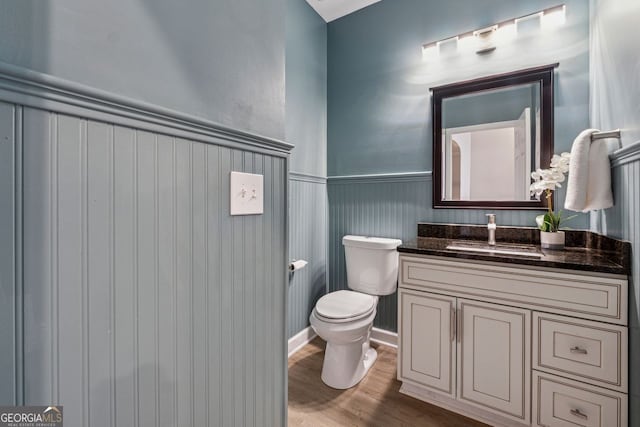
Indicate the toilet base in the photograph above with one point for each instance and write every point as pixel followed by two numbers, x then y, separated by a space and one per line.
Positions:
pixel 345 365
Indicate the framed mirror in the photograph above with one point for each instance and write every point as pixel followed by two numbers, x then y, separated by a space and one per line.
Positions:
pixel 489 134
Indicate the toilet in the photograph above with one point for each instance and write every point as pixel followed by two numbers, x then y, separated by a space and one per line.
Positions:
pixel 344 318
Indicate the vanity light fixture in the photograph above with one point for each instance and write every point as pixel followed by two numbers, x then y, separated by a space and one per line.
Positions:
pixel 486 40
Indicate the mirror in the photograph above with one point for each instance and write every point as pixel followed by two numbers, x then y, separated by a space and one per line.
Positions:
pixel 489 134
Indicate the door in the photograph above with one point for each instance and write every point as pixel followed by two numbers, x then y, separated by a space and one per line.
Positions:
pixel 494 358
pixel 427 334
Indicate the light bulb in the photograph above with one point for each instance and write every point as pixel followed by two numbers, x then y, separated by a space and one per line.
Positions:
pixel 553 18
pixel 506 33
pixel 430 51
pixel 467 43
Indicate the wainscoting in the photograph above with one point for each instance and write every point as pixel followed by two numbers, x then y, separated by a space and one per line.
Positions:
pixel 623 221
pixel 308 241
pixel 132 297
pixel 373 206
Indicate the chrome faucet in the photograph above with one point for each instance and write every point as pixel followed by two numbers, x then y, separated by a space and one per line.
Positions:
pixel 491 226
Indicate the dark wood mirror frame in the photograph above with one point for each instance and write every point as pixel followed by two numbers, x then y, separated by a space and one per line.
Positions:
pixel 542 75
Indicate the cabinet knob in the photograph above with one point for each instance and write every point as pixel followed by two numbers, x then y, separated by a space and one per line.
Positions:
pixel 578 350
pixel 577 413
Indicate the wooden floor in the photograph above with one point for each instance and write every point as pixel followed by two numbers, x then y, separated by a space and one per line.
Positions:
pixel 376 401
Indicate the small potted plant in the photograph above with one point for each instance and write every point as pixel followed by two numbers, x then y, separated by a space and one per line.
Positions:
pixel 545 181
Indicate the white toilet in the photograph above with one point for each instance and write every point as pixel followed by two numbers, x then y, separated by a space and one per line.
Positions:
pixel 344 318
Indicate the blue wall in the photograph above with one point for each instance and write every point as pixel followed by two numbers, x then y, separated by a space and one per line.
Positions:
pixel 306 128
pixel 306 84
pixel 615 90
pixel 221 60
pixel 379 103
pixel 380 113
pixel 129 293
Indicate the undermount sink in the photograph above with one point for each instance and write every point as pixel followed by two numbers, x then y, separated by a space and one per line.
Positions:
pixel 503 249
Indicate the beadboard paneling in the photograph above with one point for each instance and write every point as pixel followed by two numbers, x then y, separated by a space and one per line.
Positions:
pixel 385 209
pixel 145 303
pixel 9 290
pixel 623 221
pixel 308 241
pixel 391 206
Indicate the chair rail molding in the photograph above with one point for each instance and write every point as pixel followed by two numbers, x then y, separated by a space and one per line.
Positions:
pixel 382 177
pixel 307 177
pixel 34 89
pixel 628 154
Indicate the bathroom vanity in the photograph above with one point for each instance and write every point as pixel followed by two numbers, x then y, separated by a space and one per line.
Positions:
pixel 518 337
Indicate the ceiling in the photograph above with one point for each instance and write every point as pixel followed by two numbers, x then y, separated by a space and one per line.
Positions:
pixel 334 9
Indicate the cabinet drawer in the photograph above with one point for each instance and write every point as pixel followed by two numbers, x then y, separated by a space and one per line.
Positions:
pixel 594 297
pixel 559 402
pixel 580 349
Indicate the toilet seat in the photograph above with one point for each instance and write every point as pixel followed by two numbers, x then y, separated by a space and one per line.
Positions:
pixel 345 306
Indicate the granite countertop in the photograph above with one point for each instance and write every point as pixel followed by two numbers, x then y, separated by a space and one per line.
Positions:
pixel 584 250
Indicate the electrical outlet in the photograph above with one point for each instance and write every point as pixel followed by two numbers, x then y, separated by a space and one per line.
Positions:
pixel 247 195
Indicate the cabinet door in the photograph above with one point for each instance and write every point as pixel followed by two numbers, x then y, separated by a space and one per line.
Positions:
pixel 494 365
pixel 427 340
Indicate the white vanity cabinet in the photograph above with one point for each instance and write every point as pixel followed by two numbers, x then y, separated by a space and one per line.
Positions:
pixel 512 344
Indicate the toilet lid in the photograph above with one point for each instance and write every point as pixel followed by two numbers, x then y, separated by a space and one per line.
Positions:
pixel 344 304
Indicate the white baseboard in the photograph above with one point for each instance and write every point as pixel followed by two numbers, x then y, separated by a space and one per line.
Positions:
pixel 381 336
pixel 304 337
pixel 453 405
pixel 300 339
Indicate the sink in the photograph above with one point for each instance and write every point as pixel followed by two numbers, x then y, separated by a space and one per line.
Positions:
pixel 502 249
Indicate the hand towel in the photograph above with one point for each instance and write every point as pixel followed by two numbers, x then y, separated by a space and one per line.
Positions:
pixel 589 181
pixel 576 198
pixel 599 195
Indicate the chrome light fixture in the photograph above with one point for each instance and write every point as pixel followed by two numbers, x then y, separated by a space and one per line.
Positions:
pixel 486 40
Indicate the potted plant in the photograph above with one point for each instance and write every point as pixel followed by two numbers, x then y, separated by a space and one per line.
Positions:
pixel 545 181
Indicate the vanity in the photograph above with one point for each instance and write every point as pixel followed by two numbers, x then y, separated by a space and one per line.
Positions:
pixel 515 336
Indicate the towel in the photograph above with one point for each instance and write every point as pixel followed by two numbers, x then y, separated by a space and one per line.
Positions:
pixel 589 182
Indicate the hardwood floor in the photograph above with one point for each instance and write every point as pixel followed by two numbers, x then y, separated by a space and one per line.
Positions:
pixel 376 401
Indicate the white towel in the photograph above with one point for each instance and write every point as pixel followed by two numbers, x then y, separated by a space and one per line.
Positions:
pixel 589 182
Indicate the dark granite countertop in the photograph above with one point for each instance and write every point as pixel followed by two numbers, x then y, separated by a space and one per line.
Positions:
pixel 584 250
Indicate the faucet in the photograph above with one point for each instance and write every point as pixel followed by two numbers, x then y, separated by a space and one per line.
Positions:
pixel 491 226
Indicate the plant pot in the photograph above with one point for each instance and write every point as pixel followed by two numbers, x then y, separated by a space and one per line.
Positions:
pixel 552 240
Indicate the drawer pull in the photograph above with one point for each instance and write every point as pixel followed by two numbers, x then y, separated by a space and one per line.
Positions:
pixel 578 350
pixel 577 413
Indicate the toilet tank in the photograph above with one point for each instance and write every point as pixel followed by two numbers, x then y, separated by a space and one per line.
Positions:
pixel 372 264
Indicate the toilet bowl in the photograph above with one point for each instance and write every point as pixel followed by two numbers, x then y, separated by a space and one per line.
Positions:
pixel 344 318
